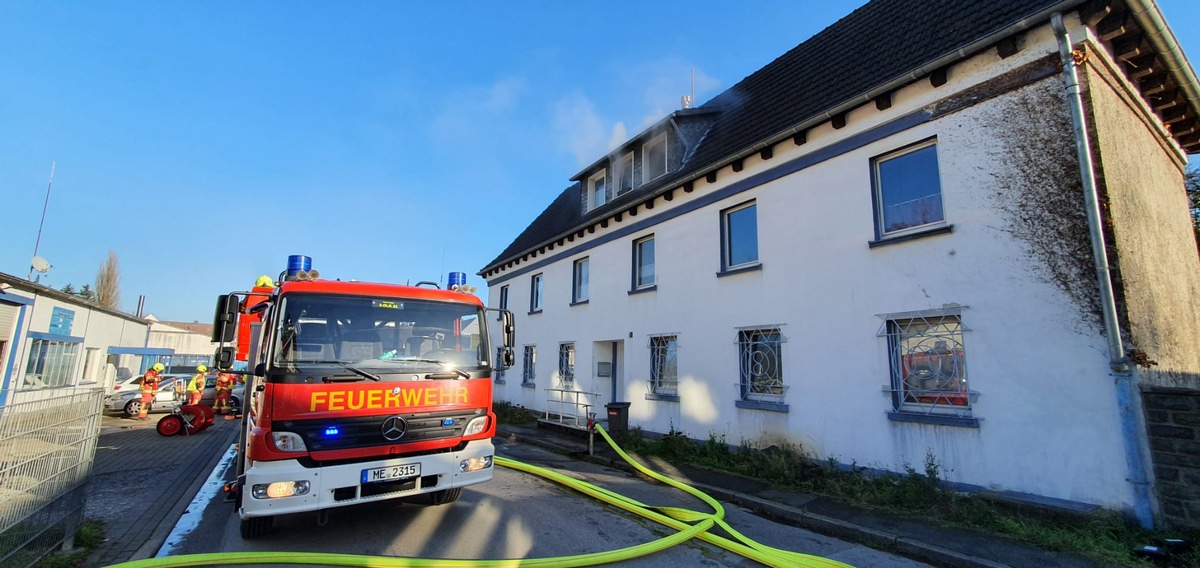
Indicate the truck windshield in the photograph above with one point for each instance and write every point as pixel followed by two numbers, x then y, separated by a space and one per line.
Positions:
pixel 363 331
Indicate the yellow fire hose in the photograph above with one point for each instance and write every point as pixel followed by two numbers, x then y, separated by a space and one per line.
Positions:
pixel 689 524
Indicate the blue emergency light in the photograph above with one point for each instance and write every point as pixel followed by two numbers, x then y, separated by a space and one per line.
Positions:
pixel 332 432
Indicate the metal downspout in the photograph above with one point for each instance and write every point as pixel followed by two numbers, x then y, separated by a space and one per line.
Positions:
pixel 1128 397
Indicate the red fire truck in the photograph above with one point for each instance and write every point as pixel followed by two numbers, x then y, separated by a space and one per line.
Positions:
pixel 358 392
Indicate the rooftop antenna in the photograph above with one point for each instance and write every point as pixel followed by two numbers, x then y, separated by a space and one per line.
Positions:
pixel 686 100
pixel 43 266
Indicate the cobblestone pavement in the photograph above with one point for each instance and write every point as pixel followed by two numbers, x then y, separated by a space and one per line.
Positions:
pixel 141 481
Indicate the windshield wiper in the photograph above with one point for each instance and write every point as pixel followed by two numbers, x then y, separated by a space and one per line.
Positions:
pixel 444 364
pixel 356 371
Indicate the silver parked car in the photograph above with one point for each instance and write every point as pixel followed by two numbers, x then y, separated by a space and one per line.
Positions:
pixel 171 393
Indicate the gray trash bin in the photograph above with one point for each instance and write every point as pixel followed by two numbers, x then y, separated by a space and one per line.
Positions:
pixel 618 416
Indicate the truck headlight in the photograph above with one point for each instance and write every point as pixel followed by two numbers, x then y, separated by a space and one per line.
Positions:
pixel 280 489
pixel 475 464
pixel 288 442
pixel 476 426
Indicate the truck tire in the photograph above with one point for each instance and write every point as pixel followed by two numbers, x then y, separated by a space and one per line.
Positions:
pixel 445 496
pixel 255 527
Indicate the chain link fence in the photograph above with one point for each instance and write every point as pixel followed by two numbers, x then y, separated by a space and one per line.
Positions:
pixel 47 448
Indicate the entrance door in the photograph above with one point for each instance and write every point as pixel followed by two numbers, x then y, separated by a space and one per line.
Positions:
pixel 608 369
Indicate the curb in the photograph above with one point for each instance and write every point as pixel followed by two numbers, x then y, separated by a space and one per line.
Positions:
pixel 829 526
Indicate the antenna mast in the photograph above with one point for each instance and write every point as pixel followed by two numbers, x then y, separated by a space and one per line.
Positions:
pixel 43 222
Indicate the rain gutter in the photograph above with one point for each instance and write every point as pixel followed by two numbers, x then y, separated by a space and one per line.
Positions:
pixel 1129 402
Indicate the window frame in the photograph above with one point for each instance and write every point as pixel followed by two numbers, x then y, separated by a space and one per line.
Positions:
pixel 909 352
pixel 623 175
pixel 727 236
pixel 529 366
pixel 566 363
pixel 59 355
pixel 536 293
pixel 664 357
pixel 597 189
pixel 769 394
pixel 646 162
pixel 579 282
pixel 878 187
pixel 503 304
pixel 636 284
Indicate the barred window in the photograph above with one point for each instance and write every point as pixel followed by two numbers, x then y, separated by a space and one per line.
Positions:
pixel 928 363
pixel 566 363
pixel 761 364
pixel 498 375
pixel 664 365
pixel 527 376
pixel 50 363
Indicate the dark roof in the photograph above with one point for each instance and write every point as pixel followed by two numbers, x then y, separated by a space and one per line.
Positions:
pixel 871 47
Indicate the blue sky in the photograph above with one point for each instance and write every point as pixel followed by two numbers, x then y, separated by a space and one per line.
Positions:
pixel 389 141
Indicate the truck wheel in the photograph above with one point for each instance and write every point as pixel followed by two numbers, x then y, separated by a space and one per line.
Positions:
pixel 255 527
pixel 446 496
pixel 132 407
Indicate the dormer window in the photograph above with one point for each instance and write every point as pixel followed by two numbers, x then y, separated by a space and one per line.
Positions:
pixel 625 174
pixel 654 158
pixel 596 192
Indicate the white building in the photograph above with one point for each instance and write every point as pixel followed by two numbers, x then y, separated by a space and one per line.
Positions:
pixel 878 247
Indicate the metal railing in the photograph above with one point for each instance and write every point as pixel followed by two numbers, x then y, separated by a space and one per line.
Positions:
pixel 47 448
pixel 565 407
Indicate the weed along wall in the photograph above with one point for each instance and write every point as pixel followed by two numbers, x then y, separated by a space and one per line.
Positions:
pixel 1173 423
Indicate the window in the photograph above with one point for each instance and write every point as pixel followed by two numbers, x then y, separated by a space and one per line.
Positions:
pixel 625 174
pixel 566 363
pixel 50 363
pixel 504 297
pixel 654 158
pixel 928 363
pixel 739 236
pixel 596 191
pixel 643 263
pixel 535 294
pixel 91 363
pixel 499 373
pixel 761 364
pixel 908 191
pixel 579 288
pixel 664 365
pixel 527 376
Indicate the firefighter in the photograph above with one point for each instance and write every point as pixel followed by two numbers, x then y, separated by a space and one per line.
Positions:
pixel 149 388
pixel 195 388
pixel 224 388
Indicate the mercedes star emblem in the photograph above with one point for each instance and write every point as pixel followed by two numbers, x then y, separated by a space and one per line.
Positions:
pixel 393 428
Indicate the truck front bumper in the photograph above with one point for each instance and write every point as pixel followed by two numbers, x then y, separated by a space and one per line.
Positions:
pixel 341 485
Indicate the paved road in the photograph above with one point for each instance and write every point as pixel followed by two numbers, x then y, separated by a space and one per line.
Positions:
pixel 517 515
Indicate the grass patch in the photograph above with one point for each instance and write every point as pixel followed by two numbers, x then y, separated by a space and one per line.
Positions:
pixel 1107 538
pixel 89 537
pixel 509 413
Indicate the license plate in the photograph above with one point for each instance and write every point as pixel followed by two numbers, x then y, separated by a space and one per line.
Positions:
pixel 390 473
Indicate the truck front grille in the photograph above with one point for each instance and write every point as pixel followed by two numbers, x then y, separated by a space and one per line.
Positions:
pixel 368 431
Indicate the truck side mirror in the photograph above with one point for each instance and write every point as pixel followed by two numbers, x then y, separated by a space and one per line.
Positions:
pixel 224 358
pixel 507 357
pixel 225 319
pixel 508 329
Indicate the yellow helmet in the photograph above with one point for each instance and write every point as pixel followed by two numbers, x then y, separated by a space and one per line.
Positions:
pixel 158 367
pixel 201 369
pixel 264 281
